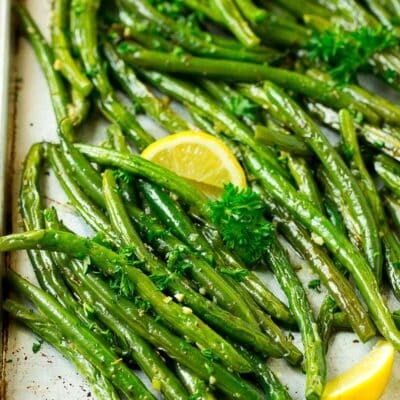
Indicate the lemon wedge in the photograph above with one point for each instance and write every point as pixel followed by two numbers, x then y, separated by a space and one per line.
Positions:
pixel 199 157
pixel 367 380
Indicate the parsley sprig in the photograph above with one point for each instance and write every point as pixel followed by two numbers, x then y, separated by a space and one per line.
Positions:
pixel 239 217
pixel 346 52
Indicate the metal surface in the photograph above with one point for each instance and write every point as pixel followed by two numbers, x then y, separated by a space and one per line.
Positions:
pixel 46 375
pixel 4 97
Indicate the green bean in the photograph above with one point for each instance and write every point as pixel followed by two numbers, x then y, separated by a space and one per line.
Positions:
pixel 290 352
pixel 133 25
pixel 117 113
pixel 96 219
pixel 235 22
pixel 306 184
pixel 276 136
pixel 46 270
pixel 275 344
pixel 251 12
pixel 160 376
pixel 200 270
pixel 31 209
pixel 333 192
pixel 196 387
pixel 352 150
pixel 226 97
pixel 389 172
pixel 207 9
pixel 271 385
pixel 307 7
pixel 286 109
pixel 92 215
pixel 244 72
pixel 141 94
pixel 326 320
pixel 337 285
pixel 340 320
pixel 98 294
pixel 251 282
pixel 393 205
pixel 258 95
pixel 44 54
pixel 118 142
pixel 387 110
pixel 49 332
pixel 81 168
pixel 396 317
pixel 213 314
pixel 150 362
pixel 92 349
pixel 85 16
pixel 333 213
pixel 382 140
pixel 64 61
pixel 173 216
pixel 336 242
pixel 315 364
pixel 379 138
pixel 198 43
pixel 394 6
pixel 110 263
pixel 85 33
pixel 380 12
pixel 78 108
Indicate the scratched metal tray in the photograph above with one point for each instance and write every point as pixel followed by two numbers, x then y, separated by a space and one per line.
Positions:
pixel 24 97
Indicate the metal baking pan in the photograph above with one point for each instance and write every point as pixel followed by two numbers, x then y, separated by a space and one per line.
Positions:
pixel 4 96
pixel 25 100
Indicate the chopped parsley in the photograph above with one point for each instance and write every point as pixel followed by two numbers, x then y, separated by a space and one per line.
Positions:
pixel 240 106
pixel 36 346
pixel 315 284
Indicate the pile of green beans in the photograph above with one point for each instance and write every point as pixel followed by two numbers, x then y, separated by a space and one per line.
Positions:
pixel 157 288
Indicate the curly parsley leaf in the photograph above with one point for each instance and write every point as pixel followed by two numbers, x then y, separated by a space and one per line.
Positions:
pixel 242 107
pixel 239 217
pixel 346 52
pixel 315 284
pixel 37 346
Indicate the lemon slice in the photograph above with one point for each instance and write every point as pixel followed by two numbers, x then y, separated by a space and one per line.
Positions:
pixel 199 157
pixel 367 380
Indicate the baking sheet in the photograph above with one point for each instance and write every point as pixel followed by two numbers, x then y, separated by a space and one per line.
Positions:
pixel 4 91
pixel 46 375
